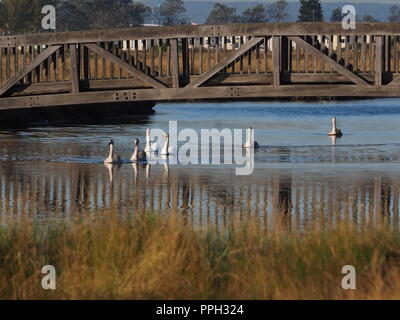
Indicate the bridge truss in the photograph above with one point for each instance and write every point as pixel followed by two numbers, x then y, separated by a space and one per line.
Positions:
pixel 237 61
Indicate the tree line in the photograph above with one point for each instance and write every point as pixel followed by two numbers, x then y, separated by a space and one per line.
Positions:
pixel 19 16
pixel 394 15
pixel 22 16
pixel 275 12
pixel 310 10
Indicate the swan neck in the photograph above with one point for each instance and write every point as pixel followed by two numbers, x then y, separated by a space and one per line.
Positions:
pixel 249 137
pixel 147 138
pixel 111 152
pixel 135 151
pixel 334 124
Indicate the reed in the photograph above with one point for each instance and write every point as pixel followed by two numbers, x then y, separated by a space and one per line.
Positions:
pixel 148 257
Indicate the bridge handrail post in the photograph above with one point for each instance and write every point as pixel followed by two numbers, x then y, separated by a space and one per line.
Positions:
pixel 378 60
pixel 276 59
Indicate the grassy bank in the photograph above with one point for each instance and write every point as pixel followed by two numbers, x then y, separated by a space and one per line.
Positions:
pixel 155 258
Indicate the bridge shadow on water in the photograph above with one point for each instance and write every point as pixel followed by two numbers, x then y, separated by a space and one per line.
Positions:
pixel 109 113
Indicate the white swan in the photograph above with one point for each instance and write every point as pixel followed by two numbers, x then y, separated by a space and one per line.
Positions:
pixel 250 133
pixel 112 158
pixel 167 149
pixel 151 146
pixel 138 156
pixel 335 131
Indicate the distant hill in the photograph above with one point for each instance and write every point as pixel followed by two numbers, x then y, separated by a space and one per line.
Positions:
pixel 198 10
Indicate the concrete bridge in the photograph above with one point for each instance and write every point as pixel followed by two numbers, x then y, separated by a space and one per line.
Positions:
pixel 235 61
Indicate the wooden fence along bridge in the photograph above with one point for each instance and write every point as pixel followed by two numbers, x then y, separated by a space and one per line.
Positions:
pixel 199 62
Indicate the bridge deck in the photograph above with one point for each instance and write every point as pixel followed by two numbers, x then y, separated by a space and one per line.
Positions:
pixel 200 62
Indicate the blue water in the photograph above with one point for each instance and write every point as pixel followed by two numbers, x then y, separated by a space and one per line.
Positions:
pixel 298 168
pixel 369 122
pixel 287 132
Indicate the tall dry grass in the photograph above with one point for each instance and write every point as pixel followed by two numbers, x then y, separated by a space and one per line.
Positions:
pixel 148 257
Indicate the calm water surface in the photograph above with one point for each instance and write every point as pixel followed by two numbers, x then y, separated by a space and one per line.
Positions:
pixel 301 178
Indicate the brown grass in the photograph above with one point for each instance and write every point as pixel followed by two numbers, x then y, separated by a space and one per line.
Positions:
pixel 149 257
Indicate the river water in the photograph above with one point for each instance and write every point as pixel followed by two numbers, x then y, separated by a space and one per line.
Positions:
pixel 301 176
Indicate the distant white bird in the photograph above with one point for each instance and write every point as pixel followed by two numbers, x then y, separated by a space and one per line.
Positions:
pixel 138 156
pixel 167 149
pixel 250 133
pixel 335 131
pixel 112 158
pixel 151 146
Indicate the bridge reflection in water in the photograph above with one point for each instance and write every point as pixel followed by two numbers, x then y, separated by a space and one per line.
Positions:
pixel 296 199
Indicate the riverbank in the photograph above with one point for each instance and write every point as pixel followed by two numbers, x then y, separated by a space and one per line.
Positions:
pixel 149 257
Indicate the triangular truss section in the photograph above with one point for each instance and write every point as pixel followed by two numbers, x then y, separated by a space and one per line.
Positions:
pixel 28 68
pixel 335 65
pixel 394 83
pixel 225 62
pixel 126 66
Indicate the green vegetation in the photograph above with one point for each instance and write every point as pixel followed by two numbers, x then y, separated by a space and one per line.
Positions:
pixel 23 16
pixel 337 15
pixel 150 257
pixel 310 10
pixel 221 13
pixel 394 13
pixel 275 12
pixel 369 18
pixel 255 14
pixel 171 12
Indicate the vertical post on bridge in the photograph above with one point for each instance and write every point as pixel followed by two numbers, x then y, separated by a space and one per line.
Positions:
pixel 378 60
pixel 276 60
pixel 175 63
pixel 74 68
